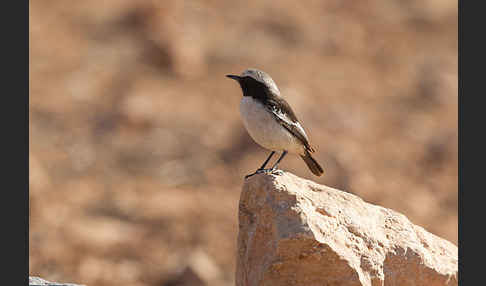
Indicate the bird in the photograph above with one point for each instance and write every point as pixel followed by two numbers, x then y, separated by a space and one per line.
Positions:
pixel 271 122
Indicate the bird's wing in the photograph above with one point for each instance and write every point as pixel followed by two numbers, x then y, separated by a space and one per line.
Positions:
pixel 283 113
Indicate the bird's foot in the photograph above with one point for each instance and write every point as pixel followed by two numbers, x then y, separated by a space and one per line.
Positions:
pixel 266 171
pixel 276 172
pixel 259 171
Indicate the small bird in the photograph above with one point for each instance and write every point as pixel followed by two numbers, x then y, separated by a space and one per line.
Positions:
pixel 271 122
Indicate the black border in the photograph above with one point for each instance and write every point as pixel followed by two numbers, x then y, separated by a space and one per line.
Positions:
pixel 15 139
pixel 15 175
pixel 470 87
pixel 23 160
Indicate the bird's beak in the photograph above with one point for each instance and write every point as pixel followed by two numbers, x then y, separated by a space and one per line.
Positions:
pixel 235 77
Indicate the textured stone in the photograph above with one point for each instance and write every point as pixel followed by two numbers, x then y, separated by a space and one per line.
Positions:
pixel 296 232
pixel 37 281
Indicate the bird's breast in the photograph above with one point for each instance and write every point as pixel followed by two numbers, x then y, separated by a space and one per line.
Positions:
pixel 264 128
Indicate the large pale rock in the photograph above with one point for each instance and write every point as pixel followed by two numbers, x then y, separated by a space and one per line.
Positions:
pixel 296 232
pixel 37 281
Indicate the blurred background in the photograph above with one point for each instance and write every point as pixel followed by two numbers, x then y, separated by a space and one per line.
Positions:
pixel 137 152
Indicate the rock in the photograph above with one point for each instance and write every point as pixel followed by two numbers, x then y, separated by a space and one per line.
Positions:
pixel 296 232
pixel 37 281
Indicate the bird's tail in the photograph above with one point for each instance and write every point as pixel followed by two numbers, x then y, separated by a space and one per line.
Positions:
pixel 315 168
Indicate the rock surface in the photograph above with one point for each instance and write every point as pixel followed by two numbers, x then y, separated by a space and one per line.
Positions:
pixel 296 232
pixel 37 281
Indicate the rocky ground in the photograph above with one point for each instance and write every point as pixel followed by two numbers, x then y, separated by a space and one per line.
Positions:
pixel 137 152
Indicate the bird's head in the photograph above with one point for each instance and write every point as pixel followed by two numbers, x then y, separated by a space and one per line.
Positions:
pixel 255 81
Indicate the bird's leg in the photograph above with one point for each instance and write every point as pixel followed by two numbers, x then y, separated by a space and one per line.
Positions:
pixel 262 167
pixel 266 161
pixel 274 168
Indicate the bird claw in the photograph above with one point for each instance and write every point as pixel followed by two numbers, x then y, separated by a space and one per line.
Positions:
pixel 259 171
pixel 262 171
pixel 274 171
pixel 277 172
